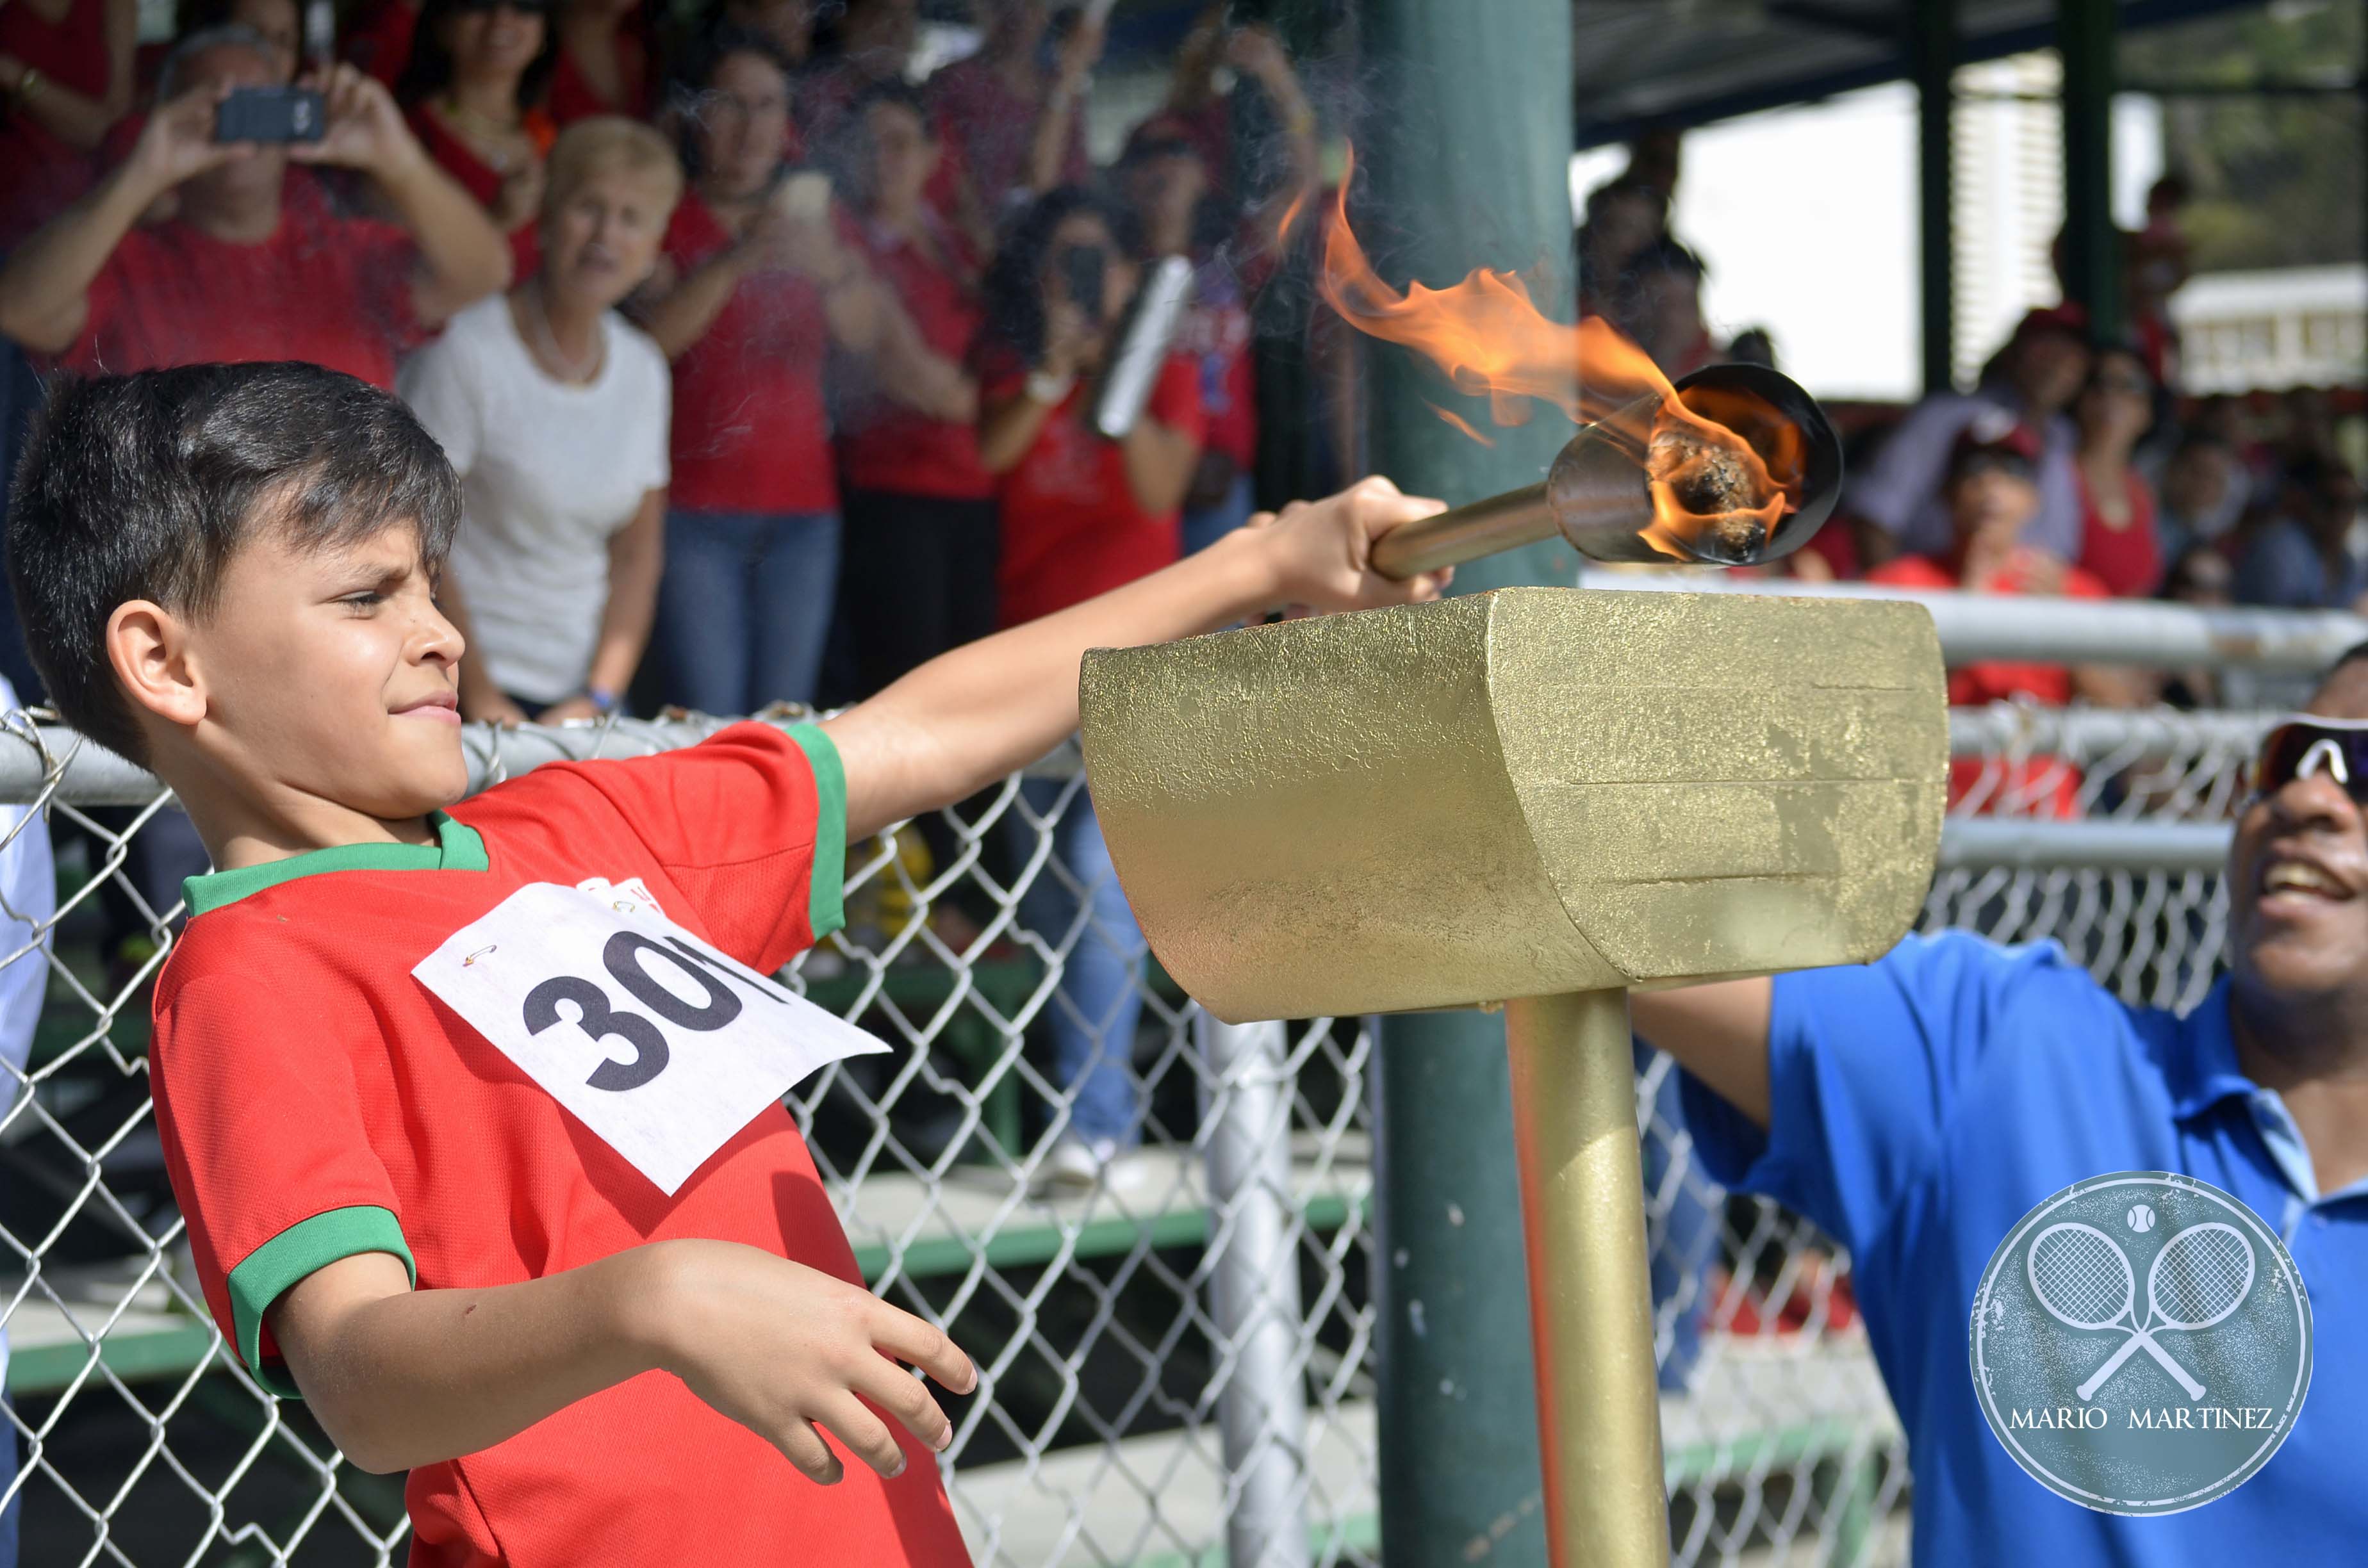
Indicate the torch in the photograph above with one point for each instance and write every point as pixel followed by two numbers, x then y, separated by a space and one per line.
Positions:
pixel 1647 483
pixel 1544 797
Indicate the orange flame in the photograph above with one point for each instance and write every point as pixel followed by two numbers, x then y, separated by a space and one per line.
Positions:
pixel 1290 219
pixel 1461 423
pixel 1707 457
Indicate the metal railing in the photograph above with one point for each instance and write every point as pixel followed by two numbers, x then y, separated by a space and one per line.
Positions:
pixel 1174 1365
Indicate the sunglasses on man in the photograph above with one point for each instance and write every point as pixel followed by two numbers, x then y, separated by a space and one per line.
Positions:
pixel 2300 747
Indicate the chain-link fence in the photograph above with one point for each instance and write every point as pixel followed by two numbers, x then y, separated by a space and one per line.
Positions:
pixel 1173 1342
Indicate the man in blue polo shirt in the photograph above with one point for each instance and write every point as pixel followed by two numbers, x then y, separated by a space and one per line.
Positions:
pixel 1918 1107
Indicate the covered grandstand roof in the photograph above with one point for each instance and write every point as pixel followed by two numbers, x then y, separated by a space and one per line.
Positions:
pixel 1647 62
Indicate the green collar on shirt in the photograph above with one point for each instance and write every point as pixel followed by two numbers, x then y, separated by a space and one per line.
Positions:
pixel 458 848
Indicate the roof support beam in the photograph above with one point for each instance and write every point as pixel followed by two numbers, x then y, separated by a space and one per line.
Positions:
pixel 2084 38
pixel 1933 55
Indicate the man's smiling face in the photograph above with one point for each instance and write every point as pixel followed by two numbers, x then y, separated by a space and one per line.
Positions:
pixel 2298 874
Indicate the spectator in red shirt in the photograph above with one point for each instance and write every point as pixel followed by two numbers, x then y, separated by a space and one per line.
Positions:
pixel 757 288
pixel 1179 206
pixel 604 62
pixel 65 76
pixel 1992 489
pixel 472 93
pixel 918 576
pixel 1081 514
pixel 872 42
pixel 2119 544
pixel 238 275
pixel 1165 183
pixel 1014 112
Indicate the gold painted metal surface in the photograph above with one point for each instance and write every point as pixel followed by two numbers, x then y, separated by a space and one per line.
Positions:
pixel 1522 793
pixel 1590 1298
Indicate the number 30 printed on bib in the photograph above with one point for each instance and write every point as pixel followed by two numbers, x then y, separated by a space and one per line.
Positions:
pixel 660 1043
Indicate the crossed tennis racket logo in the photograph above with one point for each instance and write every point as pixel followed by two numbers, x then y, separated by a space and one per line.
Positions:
pixel 2083 1279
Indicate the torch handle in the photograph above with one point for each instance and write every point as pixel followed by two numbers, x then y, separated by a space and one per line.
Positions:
pixel 1466 533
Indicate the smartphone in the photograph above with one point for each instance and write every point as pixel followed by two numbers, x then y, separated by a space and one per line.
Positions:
pixel 803 197
pixel 271 114
pixel 1082 268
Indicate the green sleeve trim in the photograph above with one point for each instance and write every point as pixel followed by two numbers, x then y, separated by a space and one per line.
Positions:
pixel 303 1248
pixel 458 848
pixel 825 911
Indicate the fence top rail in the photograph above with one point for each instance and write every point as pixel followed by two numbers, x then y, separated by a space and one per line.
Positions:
pixel 35 749
pixel 42 759
pixel 2142 632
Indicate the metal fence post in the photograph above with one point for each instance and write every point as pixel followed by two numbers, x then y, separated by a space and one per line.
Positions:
pixel 1254 1294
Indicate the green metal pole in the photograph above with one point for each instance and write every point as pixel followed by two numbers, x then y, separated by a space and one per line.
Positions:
pixel 1468 149
pixel 2084 41
pixel 1932 49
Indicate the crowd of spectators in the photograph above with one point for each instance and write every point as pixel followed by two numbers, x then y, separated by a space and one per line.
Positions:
pixel 783 388
pixel 769 368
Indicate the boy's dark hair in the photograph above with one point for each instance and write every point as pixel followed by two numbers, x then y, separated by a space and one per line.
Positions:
pixel 143 486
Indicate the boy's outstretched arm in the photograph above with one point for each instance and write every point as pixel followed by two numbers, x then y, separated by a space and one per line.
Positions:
pixel 967 718
pixel 400 1377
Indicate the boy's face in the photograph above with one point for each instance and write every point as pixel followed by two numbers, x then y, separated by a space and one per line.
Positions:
pixel 329 674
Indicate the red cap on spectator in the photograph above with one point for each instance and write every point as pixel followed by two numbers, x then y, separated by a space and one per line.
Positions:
pixel 1995 437
pixel 2070 318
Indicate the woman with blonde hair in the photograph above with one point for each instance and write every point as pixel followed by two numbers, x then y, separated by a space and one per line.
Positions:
pixel 555 411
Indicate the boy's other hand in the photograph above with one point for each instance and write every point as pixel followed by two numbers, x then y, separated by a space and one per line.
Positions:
pixel 784 1349
pixel 1322 550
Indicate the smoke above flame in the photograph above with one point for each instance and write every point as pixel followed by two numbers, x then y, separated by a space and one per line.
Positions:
pixel 1717 464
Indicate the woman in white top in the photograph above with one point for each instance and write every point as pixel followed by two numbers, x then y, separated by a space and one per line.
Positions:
pixel 554 410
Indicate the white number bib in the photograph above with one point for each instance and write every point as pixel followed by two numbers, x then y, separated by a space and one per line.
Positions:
pixel 658 1042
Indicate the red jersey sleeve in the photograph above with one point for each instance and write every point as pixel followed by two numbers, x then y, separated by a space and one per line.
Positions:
pixel 266 1143
pixel 1176 398
pixel 751 823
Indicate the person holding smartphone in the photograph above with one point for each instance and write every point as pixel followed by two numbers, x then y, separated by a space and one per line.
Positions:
pixel 238 273
pixel 1014 112
pixel 1080 514
pixel 473 93
pixel 756 286
pixel 919 555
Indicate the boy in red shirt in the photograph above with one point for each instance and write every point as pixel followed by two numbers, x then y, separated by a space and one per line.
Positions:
pixel 474 1114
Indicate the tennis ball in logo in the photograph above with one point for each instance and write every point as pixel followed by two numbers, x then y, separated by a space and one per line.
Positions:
pixel 2141 1342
